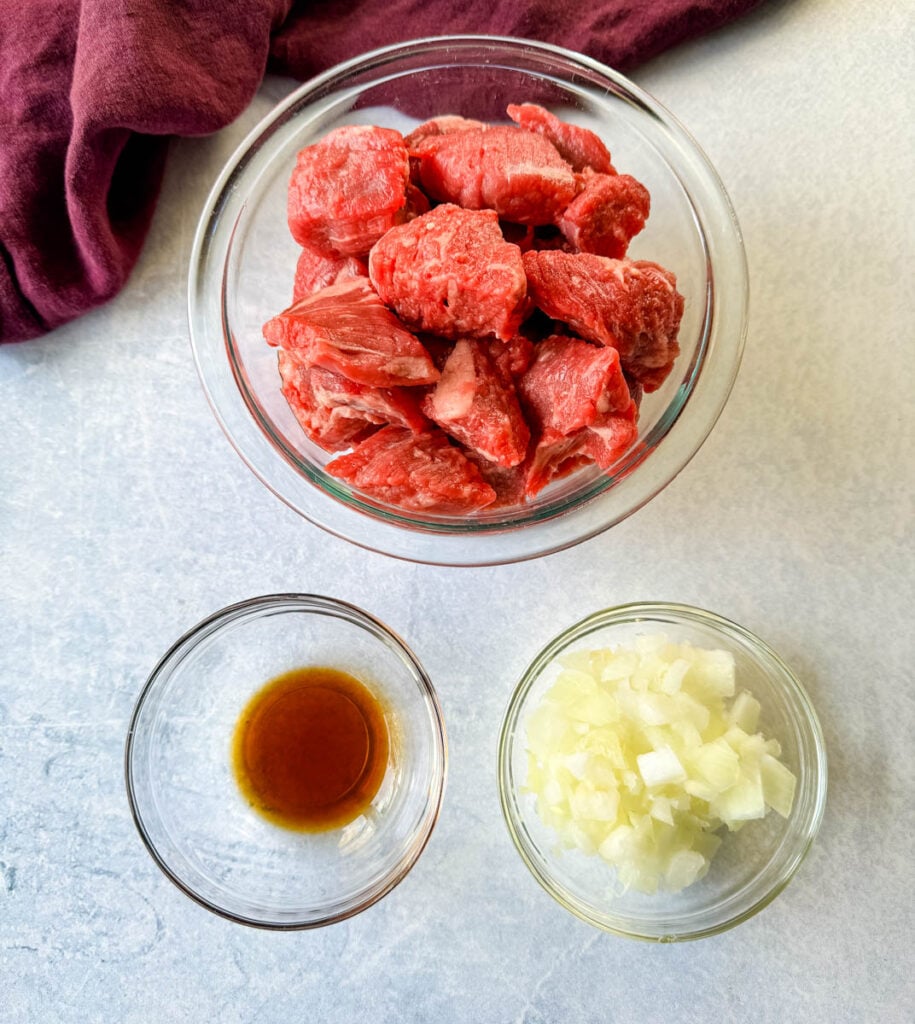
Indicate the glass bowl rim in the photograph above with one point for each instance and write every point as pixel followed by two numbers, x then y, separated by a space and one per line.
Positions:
pixel 314 604
pixel 657 612
pixel 571 519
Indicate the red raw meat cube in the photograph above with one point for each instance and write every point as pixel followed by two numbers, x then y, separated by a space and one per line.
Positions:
pixel 606 215
pixel 419 472
pixel 450 272
pixel 606 440
pixel 582 412
pixel 315 271
pixel 634 306
pixel 382 405
pixel 602 444
pixel 544 464
pixel 477 406
pixel 348 189
pixel 332 427
pixel 447 124
pixel 516 173
pixel 579 147
pixel 507 481
pixel 346 328
pixel 572 384
pixel 551 461
pixel 511 358
pixel 579 401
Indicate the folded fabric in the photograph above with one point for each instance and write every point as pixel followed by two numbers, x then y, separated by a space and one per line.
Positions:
pixel 91 90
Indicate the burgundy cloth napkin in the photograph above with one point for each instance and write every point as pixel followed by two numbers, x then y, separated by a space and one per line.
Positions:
pixel 90 91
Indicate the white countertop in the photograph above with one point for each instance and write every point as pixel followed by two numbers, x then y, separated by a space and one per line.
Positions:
pixel 126 517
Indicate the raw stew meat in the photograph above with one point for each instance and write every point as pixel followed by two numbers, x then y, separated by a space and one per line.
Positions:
pixel 465 326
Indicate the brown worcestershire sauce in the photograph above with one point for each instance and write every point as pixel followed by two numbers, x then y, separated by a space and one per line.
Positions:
pixel 310 749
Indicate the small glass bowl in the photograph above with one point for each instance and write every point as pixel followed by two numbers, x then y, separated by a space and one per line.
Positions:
pixel 244 258
pixel 189 809
pixel 752 866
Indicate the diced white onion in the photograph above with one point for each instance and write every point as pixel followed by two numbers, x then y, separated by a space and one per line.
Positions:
pixel 660 767
pixel 745 711
pixel 778 784
pixel 641 754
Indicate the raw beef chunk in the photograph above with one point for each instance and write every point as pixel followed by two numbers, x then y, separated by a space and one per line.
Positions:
pixel 633 306
pixel 419 472
pixel 511 358
pixel 336 412
pixel 332 427
pixel 601 443
pixel 348 189
pixel 516 173
pixel 346 328
pixel 605 441
pixel 579 147
pixel 551 461
pixel 447 124
pixel 571 385
pixel 606 214
pixel 507 481
pixel 477 406
pixel 451 273
pixel 315 271
pixel 381 405
pixel 543 465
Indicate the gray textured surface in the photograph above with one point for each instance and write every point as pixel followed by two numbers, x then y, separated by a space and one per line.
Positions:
pixel 126 517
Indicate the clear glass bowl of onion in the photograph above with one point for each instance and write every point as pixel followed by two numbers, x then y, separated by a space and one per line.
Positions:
pixel 662 771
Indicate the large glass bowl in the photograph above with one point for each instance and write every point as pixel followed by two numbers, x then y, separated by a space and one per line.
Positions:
pixel 192 815
pixel 753 865
pixel 244 259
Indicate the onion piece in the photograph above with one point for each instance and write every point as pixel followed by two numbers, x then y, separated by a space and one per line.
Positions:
pixel 642 754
